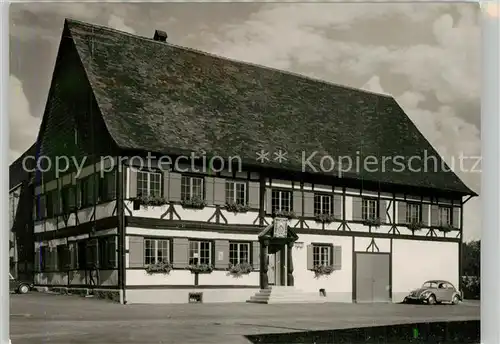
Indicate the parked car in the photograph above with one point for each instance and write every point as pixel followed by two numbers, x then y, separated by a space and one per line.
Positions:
pixel 17 286
pixel 434 291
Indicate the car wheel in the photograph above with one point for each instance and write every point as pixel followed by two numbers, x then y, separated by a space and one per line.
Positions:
pixel 455 300
pixel 405 300
pixel 23 289
pixel 431 300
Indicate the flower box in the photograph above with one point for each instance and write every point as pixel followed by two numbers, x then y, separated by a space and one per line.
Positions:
pixel 201 268
pixel 160 267
pixel 372 222
pixel 323 270
pixel 194 203
pixel 325 218
pixel 286 214
pixel 415 226
pixel 240 269
pixel 149 201
pixel 237 208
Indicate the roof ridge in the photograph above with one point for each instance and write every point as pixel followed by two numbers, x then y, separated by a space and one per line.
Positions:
pixel 253 64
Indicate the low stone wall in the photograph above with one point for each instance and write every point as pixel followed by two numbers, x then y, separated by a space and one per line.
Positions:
pixel 107 294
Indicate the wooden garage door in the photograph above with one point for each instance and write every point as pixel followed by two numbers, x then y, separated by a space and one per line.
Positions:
pixel 372 277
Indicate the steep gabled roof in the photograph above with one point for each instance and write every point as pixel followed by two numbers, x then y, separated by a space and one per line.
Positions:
pixel 163 98
pixel 19 173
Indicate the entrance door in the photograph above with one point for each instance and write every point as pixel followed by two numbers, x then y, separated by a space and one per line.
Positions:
pixel 271 269
pixel 372 277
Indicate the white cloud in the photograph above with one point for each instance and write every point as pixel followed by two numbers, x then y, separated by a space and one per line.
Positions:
pixel 23 126
pixel 119 23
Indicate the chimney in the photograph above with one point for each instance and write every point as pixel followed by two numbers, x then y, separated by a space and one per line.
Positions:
pixel 160 36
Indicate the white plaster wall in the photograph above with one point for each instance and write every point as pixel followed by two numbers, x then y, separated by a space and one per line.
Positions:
pixel 338 285
pixel 182 295
pixel 414 262
pixel 185 277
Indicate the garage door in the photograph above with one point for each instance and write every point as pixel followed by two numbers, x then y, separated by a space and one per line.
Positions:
pixel 372 277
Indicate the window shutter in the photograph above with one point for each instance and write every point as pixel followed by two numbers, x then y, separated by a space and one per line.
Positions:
pixel 297 203
pixel 37 260
pixel 132 183
pixel 180 252
pixel 337 206
pixel 111 253
pixel 337 257
pixel 209 190
pixel 42 211
pixel 174 193
pixel 219 191
pixel 456 217
pixel 308 204
pixel 256 255
pixel 382 208
pixel 91 248
pixel 166 186
pixel 425 214
pixel 310 260
pixel 221 254
pixel 269 200
pixel 357 209
pixel 136 252
pixel 401 212
pixel 434 215
pixel 254 195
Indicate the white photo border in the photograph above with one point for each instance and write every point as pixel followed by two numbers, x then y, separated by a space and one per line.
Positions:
pixel 490 177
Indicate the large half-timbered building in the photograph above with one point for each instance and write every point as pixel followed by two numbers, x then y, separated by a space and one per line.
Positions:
pixel 270 219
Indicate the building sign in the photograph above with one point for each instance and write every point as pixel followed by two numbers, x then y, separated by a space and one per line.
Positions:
pixel 280 227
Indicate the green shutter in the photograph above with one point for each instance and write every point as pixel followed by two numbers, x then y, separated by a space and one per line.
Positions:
pixel 269 204
pixel 166 184
pixel 219 191
pixel 256 255
pixel 337 257
pixel 174 193
pixel 357 208
pixel 132 182
pixel 425 214
pixel 456 217
pixel 254 195
pixel 181 258
pixel 297 202
pixel 136 252
pixel 382 208
pixel 435 216
pixel 209 187
pixel 221 254
pixel 401 212
pixel 308 204
pixel 310 257
pixel 337 206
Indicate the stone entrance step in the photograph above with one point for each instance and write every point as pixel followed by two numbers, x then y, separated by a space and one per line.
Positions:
pixel 285 295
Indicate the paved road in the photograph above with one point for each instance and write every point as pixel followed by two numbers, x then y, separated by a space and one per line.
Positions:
pixel 49 318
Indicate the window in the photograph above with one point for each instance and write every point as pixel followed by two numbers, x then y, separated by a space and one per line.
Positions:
pixel 149 183
pixel 200 252
pixel 68 199
pixel 281 201
pixel 191 187
pixel 413 213
pixel 40 208
pixel 43 258
pixel 369 209
pixel 156 251
pixel 107 252
pixel 322 255
pixel 86 191
pixel 62 259
pixel 108 186
pixel 53 203
pixel 445 216
pixel 322 204
pixel 239 253
pixel 236 192
pixel 81 257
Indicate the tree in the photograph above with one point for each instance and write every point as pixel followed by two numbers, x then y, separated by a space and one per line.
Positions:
pixel 471 269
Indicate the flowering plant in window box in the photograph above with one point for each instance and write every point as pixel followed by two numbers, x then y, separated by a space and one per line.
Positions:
pixel 194 203
pixel 415 226
pixel 285 213
pixel 372 222
pixel 323 270
pixel 446 228
pixel 150 201
pixel 325 218
pixel 200 268
pixel 240 269
pixel 159 267
pixel 237 208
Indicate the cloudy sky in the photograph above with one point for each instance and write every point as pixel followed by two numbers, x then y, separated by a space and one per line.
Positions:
pixel 425 55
